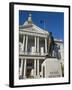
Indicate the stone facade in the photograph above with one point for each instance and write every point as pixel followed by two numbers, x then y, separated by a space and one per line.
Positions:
pixel 33 48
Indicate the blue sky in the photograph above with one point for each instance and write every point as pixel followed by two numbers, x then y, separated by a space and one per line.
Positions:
pixel 54 21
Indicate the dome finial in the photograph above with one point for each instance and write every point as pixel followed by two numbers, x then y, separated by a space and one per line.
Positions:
pixel 30 14
pixel 30 18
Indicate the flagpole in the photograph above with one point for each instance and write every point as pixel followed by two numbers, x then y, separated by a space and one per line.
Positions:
pixel 44 24
pixel 43 21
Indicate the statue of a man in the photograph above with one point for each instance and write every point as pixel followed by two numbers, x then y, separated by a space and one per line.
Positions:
pixel 50 44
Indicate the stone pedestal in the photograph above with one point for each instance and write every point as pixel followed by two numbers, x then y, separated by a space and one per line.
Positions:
pixel 52 68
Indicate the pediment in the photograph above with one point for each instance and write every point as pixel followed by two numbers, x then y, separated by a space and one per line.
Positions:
pixel 33 28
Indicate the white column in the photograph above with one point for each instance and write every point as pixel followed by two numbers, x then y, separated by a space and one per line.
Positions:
pixel 35 44
pixel 38 45
pixel 21 68
pixel 26 44
pixel 46 45
pixel 25 68
pixel 35 68
pixel 23 42
pixel 38 67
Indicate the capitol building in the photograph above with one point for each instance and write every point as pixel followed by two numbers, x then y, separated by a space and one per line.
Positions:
pixel 33 51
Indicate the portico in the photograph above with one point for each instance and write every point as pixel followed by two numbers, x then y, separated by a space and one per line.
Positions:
pixel 32 46
pixel 36 43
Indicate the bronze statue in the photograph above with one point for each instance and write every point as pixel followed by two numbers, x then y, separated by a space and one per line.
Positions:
pixel 50 44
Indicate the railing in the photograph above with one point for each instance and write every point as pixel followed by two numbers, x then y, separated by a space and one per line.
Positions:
pixel 54 54
pixel 32 53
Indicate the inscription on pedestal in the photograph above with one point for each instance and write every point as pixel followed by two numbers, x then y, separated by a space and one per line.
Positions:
pixel 53 68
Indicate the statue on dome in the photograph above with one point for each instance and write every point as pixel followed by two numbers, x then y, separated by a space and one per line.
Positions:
pixel 30 19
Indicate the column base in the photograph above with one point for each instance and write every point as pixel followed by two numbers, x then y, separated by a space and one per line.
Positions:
pixel 20 77
pixel 24 77
pixel 37 76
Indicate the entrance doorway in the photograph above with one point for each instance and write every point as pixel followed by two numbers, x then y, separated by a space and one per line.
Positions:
pixel 30 69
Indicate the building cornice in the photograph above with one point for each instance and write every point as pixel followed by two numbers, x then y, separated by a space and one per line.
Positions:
pixel 32 34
